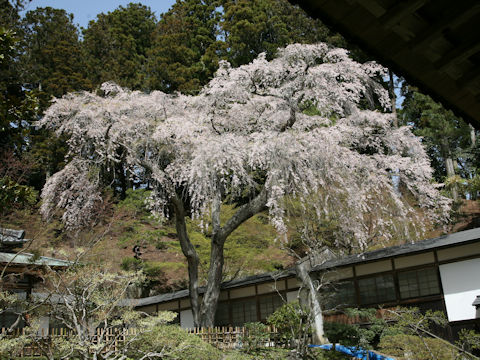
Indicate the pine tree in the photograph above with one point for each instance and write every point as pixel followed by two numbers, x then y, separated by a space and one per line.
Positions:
pixel 52 61
pixel 251 27
pixel 183 56
pixel 52 64
pixel 446 136
pixel 116 45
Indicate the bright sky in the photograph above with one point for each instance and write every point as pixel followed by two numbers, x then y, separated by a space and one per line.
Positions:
pixel 86 10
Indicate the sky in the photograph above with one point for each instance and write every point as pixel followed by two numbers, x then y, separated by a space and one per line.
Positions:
pixel 86 10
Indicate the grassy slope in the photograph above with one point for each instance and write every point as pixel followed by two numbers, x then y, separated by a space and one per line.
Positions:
pixel 249 250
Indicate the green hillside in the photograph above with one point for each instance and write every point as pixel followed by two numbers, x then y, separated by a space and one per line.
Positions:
pixel 251 249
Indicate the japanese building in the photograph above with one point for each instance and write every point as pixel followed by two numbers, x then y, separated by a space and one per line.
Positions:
pixel 440 274
pixel 21 272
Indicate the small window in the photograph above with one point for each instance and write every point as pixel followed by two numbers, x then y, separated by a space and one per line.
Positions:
pixel 244 311
pixel 340 294
pixel 268 305
pixel 417 283
pixel 377 290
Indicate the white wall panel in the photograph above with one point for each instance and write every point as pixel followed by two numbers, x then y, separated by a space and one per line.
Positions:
pixel 186 319
pixel 461 285
pixel 292 296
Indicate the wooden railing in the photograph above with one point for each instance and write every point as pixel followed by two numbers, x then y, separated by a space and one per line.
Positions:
pixel 220 337
pixel 113 338
pixel 232 337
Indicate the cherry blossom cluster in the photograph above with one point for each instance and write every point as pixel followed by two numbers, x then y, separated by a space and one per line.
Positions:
pixel 294 126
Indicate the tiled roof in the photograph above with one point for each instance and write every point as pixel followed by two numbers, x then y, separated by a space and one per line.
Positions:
pixel 30 259
pixel 425 245
pixel 12 238
pixel 420 246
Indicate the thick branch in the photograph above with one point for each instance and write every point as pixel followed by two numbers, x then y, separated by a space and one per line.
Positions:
pixel 290 122
pixel 216 205
pixel 245 212
pixel 189 252
pixel 219 236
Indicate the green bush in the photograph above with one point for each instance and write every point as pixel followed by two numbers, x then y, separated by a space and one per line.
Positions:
pixel 256 335
pixel 404 347
pixel 131 264
pixel 338 333
pixel 174 343
pixel 292 323
pixel 135 203
pixel 263 354
pixel 469 340
pixel 154 269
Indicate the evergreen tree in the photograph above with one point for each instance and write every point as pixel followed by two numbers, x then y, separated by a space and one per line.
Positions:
pixel 251 27
pixel 184 56
pixel 17 110
pixel 116 44
pixel 15 106
pixel 52 65
pixel 52 61
pixel 446 137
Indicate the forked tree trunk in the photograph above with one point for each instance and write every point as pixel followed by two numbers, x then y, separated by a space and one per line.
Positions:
pixel 215 272
pixel 219 236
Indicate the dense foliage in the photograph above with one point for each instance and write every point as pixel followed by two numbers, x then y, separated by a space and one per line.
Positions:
pixel 450 142
pixel 43 55
pixel 116 45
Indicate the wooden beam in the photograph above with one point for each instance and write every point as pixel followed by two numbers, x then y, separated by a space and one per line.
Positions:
pixel 452 17
pixel 399 11
pixel 461 52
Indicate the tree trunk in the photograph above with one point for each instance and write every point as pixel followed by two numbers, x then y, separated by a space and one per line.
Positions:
pixel 219 236
pixel 451 172
pixel 449 166
pixel 215 272
pixel 123 181
pixel 190 254
pixel 393 98
pixel 303 269
pixel 473 137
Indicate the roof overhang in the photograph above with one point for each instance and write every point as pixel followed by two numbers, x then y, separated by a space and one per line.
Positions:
pixel 12 260
pixel 446 241
pixel 434 44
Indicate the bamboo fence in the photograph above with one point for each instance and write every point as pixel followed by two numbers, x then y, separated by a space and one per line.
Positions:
pixel 220 337
pixel 232 337
pixel 113 338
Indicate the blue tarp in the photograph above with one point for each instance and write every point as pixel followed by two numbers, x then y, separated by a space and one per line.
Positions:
pixel 353 351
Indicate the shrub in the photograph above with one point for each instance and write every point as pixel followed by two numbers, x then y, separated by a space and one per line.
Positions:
pixel 256 336
pixel 469 340
pixel 292 323
pixel 135 203
pixel 404 347
pixel 172 342
pixel 131 264
pixel 338 333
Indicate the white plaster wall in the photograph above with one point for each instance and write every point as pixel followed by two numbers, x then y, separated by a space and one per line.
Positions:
pixel 43 325
pixel 186 319
pixel 461 285
pixel 292 296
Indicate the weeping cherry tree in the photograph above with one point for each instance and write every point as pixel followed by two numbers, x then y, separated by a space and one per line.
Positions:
pixel 298 125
